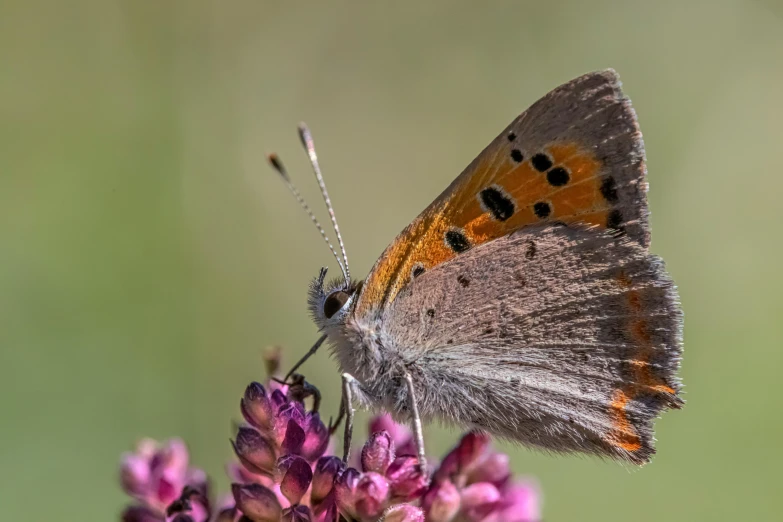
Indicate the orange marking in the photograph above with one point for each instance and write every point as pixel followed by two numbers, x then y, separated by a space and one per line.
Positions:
pixel 645 380
pixel 578 201
pixel 623 435
pixel 639 330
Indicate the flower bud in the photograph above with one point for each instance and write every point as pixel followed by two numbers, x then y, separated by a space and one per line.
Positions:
pixel 345 491
pixel 406 479
pixel 479 500
pixel 294 438
pixel 316 438
pixel 521 503
pixel 257 503
pixel 254 451
pixel 256 407
pixel 323 478
pixel 493 468
pixel 297 476
pixel 378 452
pixel 372 493
pixel 278 399
pixel 471 449
pixel 134 474
pixel 442 502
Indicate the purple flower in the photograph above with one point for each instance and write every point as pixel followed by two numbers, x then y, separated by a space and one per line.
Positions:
pixel 473 483
pixel 276 427
pixel 285 473
pixel 155 475
pixel 384 482
pixel 401 435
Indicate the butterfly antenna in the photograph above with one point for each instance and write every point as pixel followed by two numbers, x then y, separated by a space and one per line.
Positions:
pixel 274 160
pixel 307 143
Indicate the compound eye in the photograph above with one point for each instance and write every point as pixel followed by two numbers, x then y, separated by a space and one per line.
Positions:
pixel 335 302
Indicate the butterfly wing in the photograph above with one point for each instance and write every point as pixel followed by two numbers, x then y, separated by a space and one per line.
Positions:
pixel 576 155
pixel 561 337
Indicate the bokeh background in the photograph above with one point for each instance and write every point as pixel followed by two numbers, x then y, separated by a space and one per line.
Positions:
pixel 149 254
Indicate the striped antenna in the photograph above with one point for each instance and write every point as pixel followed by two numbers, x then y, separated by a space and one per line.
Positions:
pixel 274 160
pixel 307 143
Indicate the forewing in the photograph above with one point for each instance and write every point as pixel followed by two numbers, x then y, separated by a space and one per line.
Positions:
pixel 561 337
pixel 575 156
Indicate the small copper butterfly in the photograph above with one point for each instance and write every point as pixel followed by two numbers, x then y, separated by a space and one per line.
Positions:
pixel 524 300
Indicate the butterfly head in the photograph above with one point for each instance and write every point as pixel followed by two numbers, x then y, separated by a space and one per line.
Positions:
pixel 331 301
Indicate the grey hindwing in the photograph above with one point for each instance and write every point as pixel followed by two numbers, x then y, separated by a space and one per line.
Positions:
pixel 560 337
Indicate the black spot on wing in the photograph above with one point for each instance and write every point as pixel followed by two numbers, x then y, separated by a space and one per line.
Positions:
pixel 497 203
pixel 457 241
pixel 542 209
pixel 541 162
pixel 530 250
pixel 557 177
pixel 609 189
pixel 615 220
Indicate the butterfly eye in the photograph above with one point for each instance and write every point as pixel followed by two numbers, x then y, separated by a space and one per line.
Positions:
pixel 335 302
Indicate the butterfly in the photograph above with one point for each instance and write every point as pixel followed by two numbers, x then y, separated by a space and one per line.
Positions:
pixel 523 301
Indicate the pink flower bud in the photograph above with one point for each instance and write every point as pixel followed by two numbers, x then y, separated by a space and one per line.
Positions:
pixel 278 399
pixel 442 502
pixel 316 438
pixel 297 476
pixel 406 479
pixel 256 407
pixel 378 452
pixel 134 474
pixel 254 451
pixel 471 449
pixel 345 491
pixel 257 502
pixel 372 493
pixel 521 504
pixel 480 499
pixel 294 438
pixel 323 478
pixel 494 468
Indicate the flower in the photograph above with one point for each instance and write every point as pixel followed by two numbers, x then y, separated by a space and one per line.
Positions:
pixel 280 451
pixel 156 474
pixel 285 472
pixel 474 483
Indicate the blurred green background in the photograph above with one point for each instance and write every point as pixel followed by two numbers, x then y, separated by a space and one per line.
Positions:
pixel 149 253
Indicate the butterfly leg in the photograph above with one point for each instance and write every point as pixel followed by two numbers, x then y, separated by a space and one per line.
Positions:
pixel 417 431
pixel 309 354
pixel 340 414
pixel 347 406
